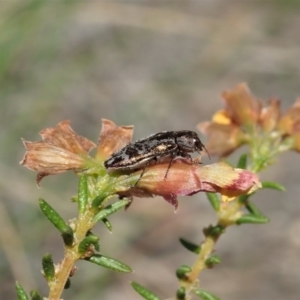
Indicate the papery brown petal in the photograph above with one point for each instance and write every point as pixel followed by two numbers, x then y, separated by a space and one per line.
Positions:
pixel 241 106
pixel 222 139
pixel 61 150
pixel 50 159
pixel 289 122
pixel 112 138
pixel 39 177
pixel 270 115
pixel 64 137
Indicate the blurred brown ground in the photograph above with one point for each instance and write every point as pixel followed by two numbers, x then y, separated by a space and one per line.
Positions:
pixel 159 65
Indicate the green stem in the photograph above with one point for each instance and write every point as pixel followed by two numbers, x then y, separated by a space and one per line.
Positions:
pixel 57 285
pixel 199 265
pixel 227 215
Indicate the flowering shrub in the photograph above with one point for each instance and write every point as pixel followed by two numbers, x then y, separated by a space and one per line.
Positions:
pixel 245 120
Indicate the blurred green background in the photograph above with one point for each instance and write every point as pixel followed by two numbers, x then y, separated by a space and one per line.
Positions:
pixel 158 65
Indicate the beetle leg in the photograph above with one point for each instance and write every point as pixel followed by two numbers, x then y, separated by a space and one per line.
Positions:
pixel 145 167
pixel 169 166
pixel 185 155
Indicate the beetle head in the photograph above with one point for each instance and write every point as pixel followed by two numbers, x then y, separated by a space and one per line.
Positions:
pixel 188 141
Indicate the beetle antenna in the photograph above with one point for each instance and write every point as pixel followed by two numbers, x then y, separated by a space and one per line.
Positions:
pixel 206 151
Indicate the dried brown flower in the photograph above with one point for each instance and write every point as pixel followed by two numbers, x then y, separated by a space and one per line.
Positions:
pixel 112 138
pixel 60 150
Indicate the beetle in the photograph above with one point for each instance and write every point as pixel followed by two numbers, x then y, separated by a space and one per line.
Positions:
pixel 156 147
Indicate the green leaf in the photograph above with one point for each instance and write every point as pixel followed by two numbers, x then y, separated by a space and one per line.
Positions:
pixel 214 231
pixel 272 185
pixel 214 200
pixel 244 198
pixel 253 209
pixel 181 293
pixel 68 236
pixel 107 224
pixel 145 293
pixel 212 261
pixel 21 292
pixel 87 242
pixel 53 216
pixel 109 263
pixel 190 246
pixel 252 219
pixel 110 209
pixel 82 193
pixel 96 245
pixel 96 203
pixel 35 295
pixel 181 272
pixel 242 163
pixel 48 267
pixel 67 284
pixel 205 295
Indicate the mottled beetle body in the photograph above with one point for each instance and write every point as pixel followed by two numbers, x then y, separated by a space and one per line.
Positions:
pixel 159 146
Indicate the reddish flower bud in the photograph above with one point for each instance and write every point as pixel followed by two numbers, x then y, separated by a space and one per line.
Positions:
pixel 228 181
pixel 185 179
